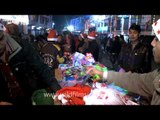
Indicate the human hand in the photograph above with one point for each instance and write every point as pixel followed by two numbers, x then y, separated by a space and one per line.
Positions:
pixel 5 103
pixel 122 70
pixel 92 71
pixel 57 101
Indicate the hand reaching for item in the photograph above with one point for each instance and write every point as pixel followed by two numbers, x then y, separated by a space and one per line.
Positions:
pixel 92 70
pixel 122 70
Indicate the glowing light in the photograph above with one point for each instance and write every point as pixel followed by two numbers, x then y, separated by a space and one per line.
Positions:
pixel 39 28
pixel 98 18
pixel 53 25
pixel 93 24
pixel 33 27
pixel 70 28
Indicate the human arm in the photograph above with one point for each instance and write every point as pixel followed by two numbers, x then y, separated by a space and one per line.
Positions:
pixel 141 84
pixel 35 62
pixel 5 103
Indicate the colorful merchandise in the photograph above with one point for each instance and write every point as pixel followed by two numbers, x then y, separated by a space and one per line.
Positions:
pixel 119 89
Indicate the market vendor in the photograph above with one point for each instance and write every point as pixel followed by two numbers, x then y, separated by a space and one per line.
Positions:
pixel 147 84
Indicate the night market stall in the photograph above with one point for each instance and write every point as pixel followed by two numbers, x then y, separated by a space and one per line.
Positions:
pixel 78 88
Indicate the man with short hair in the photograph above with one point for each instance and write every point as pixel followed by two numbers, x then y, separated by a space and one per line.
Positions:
pixel 135 56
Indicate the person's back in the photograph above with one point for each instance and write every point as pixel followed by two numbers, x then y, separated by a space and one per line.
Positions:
pixel 51 51
pixel 115 50
pixel 92 47
pixel 81 39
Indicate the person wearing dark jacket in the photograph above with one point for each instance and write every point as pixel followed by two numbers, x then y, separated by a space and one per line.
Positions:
pixel 135 56
pixel 51 51
pixel 22 70
pixel 115 49
pixel 82 38
pixel 92 46
pixel 146 84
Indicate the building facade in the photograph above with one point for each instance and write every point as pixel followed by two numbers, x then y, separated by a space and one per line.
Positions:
pixel 39 24
pixel 115 24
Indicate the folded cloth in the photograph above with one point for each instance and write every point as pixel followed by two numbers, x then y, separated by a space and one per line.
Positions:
pixel 72 95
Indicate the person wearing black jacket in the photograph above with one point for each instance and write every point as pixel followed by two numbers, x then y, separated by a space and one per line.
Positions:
pixel 135 56
pixel 22 69
pixel 92 45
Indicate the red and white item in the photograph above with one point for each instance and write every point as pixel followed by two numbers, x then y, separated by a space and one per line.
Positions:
pixel 52 35
pixel 101 95
pixel 92 35
pixel 156 28
pixel 72 95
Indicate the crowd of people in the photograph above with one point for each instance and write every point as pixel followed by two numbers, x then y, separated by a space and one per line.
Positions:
pixel 28 63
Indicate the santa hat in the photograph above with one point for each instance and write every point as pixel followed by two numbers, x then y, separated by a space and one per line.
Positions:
pixel 156 28
pixel 83 35
pixel 52 35
pixel 92 35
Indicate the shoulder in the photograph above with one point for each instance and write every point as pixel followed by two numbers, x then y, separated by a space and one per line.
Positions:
pixel 144 46
pixel 57 47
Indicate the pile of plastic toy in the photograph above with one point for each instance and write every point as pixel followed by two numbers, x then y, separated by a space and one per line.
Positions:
pixel 75 73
